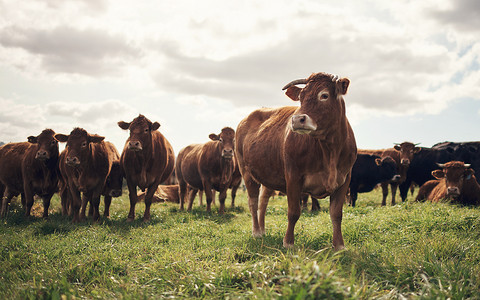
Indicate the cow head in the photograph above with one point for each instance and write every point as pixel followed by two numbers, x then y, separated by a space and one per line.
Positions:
pixel 455 174
pixel 388 168
pixel 78 145
pixel 115 180
pixel 321 103
pixel 141 130
pixel 226 138
pixel 47 145
pixel 407 150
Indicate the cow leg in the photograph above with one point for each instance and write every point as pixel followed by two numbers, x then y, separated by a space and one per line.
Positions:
pixel 336 205
pixel 353 196
pixel 253 189
pixel 132 195
pixel 182 187
pixel 213 196
pixel 304 201
pixel 294 195
pixel 148 201
pixel 200 197
pixel 315 204
pixel 265 194
pixel 64 200
pixel 27 200
pixel 207 188
pixel 90 210
pixel 6 202
pixel 46 204
pixel 384 193
pixel 86 198
pixel 221 198
pixel 393 186
pixel 234 194
pixel 107 200
pixel 404 187
pixel 95 204
pixel 191 197
pixel 76 202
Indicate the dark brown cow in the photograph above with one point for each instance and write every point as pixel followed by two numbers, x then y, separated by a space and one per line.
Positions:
pixel 402 154
pixel 147 160
pixel 205 167
pixel 85 167
pixel 307 149
pixel 456 181
pixel 29 168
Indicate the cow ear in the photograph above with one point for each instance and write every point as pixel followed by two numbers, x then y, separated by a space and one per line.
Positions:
pixel 93 138
pixel 32 139
pixel 417 149
pixel 293 93
pixel 61 137
pixel 155 126
pixel 397 147
pixel 123 125
pixel 378 161
pixel 214 137
pixel 439 174
pixel 468 173
pixel 342 86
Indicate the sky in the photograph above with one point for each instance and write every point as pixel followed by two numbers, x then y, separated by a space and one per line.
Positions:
pixel 198 66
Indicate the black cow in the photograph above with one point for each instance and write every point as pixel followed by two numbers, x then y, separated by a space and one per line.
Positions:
pixel 370 170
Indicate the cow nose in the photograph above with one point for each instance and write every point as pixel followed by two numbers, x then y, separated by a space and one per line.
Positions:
pixel 405 161
pixel 73 161
pixel 135 145
pixel 396 178
pixel 453 191
pixel 227 153
pixel 299 119
pixel 42 154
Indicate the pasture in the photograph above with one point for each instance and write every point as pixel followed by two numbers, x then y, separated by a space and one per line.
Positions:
pixel 410 250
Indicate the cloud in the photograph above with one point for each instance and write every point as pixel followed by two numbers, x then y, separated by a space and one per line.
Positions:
pixel 464 15
pixel 71 50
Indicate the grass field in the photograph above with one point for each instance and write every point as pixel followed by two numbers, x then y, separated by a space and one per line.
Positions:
pixel 410 250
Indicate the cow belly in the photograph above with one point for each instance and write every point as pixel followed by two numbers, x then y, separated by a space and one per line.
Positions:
pixel 323 184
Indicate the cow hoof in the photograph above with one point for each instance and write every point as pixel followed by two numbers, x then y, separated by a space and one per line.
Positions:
pixel 288 245
pixel 339 248
pixel 258 234
pixel 129 219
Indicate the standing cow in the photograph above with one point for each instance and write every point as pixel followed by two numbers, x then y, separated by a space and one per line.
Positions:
pixel 370 170
pixel 147 160
pixel 205 167
pixel 29 168
pixel 86 165
pixel 307 149
pixel 456 181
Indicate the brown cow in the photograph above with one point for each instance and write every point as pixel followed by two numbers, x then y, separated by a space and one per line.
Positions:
pixel 29 168
pixel 307 149
pixel 456 181
pixel 85 166
pixel 147 160
pixel 234 185
pixel 205 167
pixel 164 193
pixel 402 154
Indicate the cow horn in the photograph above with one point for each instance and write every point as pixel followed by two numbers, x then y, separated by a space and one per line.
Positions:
pixel 416 144
pixel 467 165
pixel 295 82
pixel 441 165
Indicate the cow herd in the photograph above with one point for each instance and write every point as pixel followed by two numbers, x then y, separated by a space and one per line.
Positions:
pixel 302 150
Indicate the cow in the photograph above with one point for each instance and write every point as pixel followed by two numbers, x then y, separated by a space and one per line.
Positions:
pixel 370 170
pixel 468 152
pixel 85 166
pixel 29 168
pixel 421 167
pixel 306 149
pixel 234 185
pixel 403 154
pixel 147 160
pixel 455 181
pixel 164 193
pixel 207 167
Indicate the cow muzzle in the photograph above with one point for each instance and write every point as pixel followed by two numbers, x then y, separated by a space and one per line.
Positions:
pixel 42 155
pixel 135 145
pixel 227 153
pixel 453 192
pixel 303 124
pixel 405 162
pixel 396 178
pixel 115 193
pixel 72 161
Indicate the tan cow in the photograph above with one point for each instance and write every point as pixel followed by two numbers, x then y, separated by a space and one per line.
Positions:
pixel 306 149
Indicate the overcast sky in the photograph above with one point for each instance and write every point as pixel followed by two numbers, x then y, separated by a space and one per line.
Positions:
pixel 198 66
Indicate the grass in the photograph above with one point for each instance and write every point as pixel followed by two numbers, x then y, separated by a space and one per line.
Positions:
pixel 411 250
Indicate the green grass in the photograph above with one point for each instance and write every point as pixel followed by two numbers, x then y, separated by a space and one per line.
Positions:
pixel 411 250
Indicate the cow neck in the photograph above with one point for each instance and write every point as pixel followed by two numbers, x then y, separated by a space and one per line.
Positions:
pixel 226 165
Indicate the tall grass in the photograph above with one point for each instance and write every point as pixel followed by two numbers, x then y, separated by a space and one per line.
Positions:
pixel 410 250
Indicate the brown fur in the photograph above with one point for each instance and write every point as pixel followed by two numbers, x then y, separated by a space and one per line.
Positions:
pixel 29 168
pixel 84 166
pixel 318 162
pixel 164 193
pixel 204 167
pixel 148 165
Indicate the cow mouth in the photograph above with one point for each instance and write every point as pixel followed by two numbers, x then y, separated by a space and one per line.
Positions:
pixel 453 195
pixel 302 130
pixel 227 156
pixel 135 149
pixel 73 164
pixel 41 157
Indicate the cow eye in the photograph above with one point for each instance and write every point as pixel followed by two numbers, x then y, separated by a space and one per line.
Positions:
pixel 323 96
pixel 146 130
pixel 54 142
pixel 220 139
pixel 84 144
